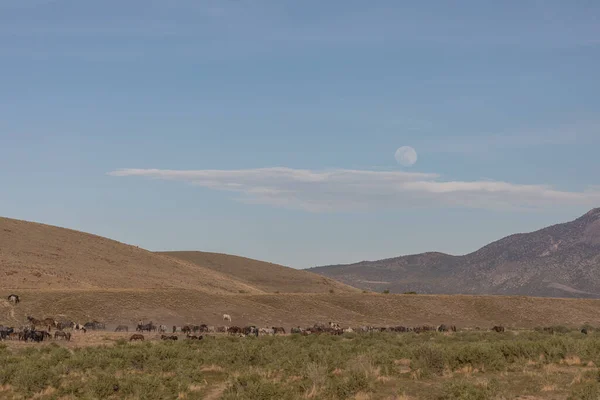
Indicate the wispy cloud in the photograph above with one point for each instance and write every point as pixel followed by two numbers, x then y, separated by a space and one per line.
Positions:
pixel 344 190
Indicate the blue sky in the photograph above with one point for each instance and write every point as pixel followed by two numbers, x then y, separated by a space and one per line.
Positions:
pixel 268 128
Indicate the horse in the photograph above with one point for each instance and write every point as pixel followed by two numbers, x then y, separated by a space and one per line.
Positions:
pixel 94 325
pixel 250 330
pixel 162 328
pixel 279 330
pixel 226 317
pixel 122 328
pixel 13 298
pixel 136 337
pixel 34 321
pixel 5 332
pixel 78 327
pixel 186 329
pixel 234 330
pixel 49 322
pixel 63 335
pixel 35 336
pixel 146 327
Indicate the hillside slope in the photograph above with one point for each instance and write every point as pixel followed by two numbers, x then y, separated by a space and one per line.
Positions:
pixel 39 256
pixel 265 276
pixel 179 306
pixel 562 260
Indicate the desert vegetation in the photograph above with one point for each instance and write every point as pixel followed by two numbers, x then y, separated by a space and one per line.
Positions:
pixel 462 365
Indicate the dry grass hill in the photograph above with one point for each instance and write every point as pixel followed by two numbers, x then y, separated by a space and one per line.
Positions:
pixel 61 272
pixel 37 256
pixel 179 306
pixel 264 276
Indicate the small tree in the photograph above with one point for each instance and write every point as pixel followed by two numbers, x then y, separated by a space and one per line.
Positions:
pixel 331 291
pixel 386 291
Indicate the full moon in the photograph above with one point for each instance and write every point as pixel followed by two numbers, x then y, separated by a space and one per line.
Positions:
pixel 406 156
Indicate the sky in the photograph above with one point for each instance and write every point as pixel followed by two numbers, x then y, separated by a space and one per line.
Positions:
pixel 271 129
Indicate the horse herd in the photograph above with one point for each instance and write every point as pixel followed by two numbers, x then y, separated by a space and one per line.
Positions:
pixel 332 328
pixel 38 330
pixel 194 332
pixel 30 334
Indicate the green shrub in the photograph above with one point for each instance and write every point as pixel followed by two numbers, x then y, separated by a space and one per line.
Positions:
pixel 34 376
pixel 586 391
pixel 286 366
pixel 429 359
pixel 253 386
pixel 102 385
pixel 386 291
pixel 463 390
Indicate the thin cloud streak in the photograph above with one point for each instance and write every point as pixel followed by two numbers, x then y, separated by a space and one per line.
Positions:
pixel 348 190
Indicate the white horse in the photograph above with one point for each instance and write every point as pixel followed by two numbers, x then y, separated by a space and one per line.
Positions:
pixel 226 317
pixel 13 298
pixel 78 327
pixel 266 331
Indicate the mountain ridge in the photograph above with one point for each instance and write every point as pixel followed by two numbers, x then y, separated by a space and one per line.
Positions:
pixel 558 260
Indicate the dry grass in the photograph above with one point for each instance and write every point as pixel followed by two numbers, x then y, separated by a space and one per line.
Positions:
pixel 45 257
pixel 179 306
pixel 265 276
pixel 571 360
pixel 37 256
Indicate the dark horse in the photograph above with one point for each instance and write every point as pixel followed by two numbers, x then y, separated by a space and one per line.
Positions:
pixel 150 327
pixel 63 335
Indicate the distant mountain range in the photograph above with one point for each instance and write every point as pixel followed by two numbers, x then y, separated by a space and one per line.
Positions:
pixel 562 260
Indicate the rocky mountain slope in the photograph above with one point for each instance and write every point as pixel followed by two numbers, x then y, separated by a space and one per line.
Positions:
pixel 562 260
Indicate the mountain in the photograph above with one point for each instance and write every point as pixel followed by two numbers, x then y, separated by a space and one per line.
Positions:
pixel 562 260
pixel 38 256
